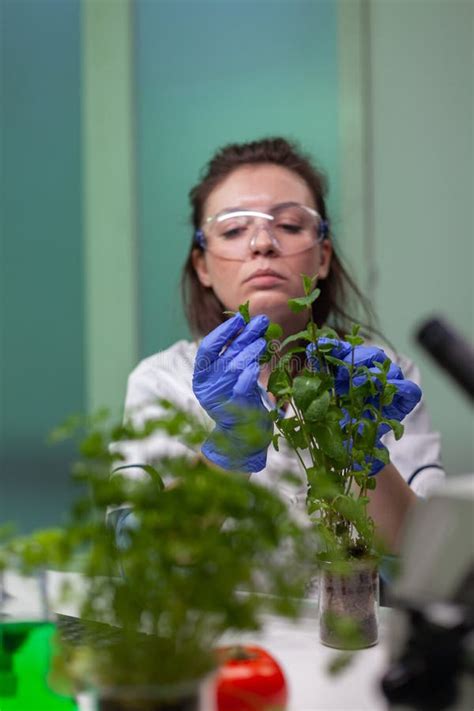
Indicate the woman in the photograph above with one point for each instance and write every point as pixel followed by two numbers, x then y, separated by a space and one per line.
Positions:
pixel 260 221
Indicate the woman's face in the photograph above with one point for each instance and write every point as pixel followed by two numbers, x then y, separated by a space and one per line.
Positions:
pixel 260 187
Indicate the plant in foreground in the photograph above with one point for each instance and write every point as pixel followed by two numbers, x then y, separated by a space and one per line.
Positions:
pixel 197 543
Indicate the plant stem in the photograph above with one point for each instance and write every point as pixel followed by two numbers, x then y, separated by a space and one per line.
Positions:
pixel 350 441
pixel 295 450
pixel 312 444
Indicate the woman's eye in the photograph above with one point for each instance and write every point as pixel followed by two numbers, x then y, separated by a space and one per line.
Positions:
pixel 233 232
pixel 289 227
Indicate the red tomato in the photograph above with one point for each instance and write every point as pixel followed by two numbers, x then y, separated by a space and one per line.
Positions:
pixel 249 679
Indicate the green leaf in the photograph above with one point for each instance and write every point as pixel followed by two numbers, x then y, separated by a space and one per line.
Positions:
pixel 287 358
pixel 353 337
pixel 273 332
pixel 325 348
pixel 295 436
pixel 300 336
pixel 312 505
pixel 354 340
pixel 323 484
pixel 312 331
pixel 354 510
pixel 384 366
pixel 327 332
pixel 335 414
pixel 330 441
pixel 298 439
pixel 388 393
pixel 366 438
pixel 330 358
pixel 382 454
pixel 318 408
pixel 296 307
pixel 305 390
pixel 327 536
pixel 275 439
pixel 66 430
pixel 396 426
pixel 93 445
pixel 303 302
pixel 279 382
pixel 244 310
pixel 151 471
pixel 308 283
pixel 340 662
pixel 360 478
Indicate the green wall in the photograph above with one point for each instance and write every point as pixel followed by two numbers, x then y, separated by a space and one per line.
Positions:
pixel 209 73
pixel 41 277
pixel 421 162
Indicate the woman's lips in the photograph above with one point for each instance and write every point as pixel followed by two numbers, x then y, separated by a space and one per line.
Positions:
pixel 264 278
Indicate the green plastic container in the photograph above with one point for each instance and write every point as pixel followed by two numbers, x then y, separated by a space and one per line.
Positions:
pixel 25 656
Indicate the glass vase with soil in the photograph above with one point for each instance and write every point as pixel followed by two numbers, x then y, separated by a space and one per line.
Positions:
pixel 349 604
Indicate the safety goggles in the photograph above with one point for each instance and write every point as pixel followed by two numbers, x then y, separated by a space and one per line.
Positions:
pixel 289 228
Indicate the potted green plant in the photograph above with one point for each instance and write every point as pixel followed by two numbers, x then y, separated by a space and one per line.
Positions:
pixel 336 413
pixel 175 586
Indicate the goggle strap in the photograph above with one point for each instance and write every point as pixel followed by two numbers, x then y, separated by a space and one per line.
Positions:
pixel 323 230
pixel 200 239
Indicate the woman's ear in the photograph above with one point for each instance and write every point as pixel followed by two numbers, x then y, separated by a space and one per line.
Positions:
pixel 325 251
pixel 200 267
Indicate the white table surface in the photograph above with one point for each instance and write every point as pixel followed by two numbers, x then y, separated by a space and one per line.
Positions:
pixel 304 659
pixel 295 645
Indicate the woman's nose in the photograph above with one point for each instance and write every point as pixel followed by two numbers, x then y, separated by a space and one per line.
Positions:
pixel 263 241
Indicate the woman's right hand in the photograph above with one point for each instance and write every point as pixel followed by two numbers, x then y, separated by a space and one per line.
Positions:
pixel 225 382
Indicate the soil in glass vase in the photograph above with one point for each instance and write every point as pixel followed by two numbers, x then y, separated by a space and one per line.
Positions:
pixel 348 605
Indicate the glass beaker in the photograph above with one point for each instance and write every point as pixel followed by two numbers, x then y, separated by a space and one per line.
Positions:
pixel 349 604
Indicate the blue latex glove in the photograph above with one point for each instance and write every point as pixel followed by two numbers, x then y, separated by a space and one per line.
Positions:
pixel 406 397
pixel 225 382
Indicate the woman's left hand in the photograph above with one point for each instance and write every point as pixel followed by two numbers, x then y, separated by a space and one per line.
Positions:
pixel 406 396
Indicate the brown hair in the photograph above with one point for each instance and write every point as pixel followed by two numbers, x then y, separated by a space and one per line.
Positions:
pixel 203 309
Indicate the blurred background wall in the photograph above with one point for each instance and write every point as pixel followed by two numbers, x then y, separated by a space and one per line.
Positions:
pixel 42 375
pixel 109 109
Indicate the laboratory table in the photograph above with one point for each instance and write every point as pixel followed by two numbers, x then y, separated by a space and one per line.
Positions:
pixel 296 647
